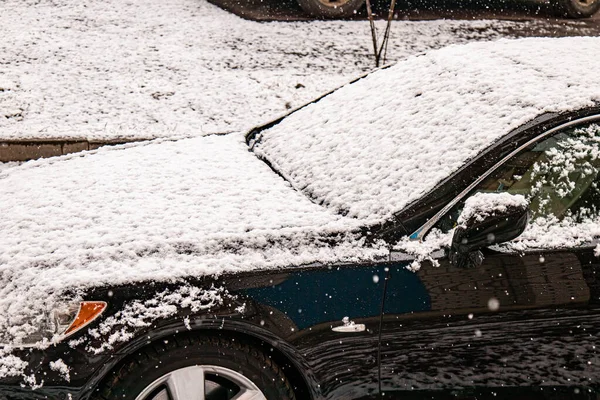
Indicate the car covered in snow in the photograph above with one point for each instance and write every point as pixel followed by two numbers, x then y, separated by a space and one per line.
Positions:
pixel 347 8
pixel 428 230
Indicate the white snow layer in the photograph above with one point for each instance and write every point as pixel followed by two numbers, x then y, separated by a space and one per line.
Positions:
pixel 137 314
pixel 62 368
pixel 154 211
pixel 371 148
pixel 105 69
pixel 482 205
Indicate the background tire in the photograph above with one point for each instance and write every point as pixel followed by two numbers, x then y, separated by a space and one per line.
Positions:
pixel 578 8
pixel 331 8
pixel 140 372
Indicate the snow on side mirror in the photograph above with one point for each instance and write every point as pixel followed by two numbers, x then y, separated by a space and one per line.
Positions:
pixel 487 219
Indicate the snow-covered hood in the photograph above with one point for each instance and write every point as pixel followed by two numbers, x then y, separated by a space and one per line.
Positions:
pixel 372 147
pixel 155 211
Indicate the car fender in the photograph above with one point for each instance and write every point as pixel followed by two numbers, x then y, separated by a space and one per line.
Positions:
pixel 215 324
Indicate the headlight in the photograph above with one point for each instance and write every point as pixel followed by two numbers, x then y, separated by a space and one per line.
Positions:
pixel 65 321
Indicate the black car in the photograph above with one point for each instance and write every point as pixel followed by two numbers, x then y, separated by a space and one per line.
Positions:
pixel 480 284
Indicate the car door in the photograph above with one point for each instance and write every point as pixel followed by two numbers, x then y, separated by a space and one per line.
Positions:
pixel 330 317
pixel 524 323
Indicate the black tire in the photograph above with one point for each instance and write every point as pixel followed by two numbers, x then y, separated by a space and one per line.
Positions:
pixel 331 8
pixel 143 368
pixel 578 8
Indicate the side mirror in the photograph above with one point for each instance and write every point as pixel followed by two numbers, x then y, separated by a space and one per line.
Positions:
pixel 487 219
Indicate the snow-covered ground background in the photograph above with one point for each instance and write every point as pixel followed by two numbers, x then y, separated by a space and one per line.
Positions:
pixel 148 68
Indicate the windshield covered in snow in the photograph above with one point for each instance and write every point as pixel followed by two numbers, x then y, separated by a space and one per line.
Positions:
pixel 375 146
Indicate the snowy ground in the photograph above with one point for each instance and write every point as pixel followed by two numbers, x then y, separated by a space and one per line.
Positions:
pixel 148 68
pixel 7 165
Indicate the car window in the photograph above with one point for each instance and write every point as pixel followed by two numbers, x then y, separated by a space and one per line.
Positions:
pixel 559 176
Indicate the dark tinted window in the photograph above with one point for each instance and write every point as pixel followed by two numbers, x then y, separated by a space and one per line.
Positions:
pixel 559 176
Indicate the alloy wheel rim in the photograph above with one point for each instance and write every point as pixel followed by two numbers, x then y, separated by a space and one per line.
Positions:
pixel 202 382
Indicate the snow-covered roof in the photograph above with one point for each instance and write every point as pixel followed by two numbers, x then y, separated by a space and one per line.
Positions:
pixel 158 211
pixel 373 147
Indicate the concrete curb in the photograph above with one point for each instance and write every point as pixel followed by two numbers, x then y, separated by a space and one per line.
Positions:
pixel 24 150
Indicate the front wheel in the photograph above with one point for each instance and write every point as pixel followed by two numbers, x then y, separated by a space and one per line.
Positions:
pixel 331 8
pixel 578 8
pixel 199 368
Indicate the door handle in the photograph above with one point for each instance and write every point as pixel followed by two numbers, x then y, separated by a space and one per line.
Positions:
pixel 349 328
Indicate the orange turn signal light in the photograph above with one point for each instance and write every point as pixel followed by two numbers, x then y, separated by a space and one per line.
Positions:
pixel 88 311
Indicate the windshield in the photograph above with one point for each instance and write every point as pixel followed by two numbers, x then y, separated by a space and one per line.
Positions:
pixel 375 146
